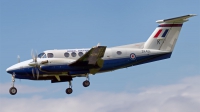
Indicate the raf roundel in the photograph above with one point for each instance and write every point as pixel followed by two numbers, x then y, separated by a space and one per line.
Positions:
pixel 132 56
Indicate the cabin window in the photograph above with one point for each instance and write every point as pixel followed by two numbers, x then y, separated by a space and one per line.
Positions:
pixel 80 54
pixel 50 55
pixel 73 54
pixel 119 52
pixel 66 54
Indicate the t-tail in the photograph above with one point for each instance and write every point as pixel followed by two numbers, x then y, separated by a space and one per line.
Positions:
pixel 166 34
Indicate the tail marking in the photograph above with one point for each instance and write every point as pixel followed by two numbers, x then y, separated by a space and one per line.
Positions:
pixel 159 32
pixel 165 33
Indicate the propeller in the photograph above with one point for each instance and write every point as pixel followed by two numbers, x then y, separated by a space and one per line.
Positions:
pixel 35 64
pixel 34 55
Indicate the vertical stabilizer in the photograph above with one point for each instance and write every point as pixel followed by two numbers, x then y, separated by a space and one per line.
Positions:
pixel 166 34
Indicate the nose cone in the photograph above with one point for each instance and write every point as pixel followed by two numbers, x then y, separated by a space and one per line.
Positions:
pixel 9 70
pixel 12 68
pixel 18 68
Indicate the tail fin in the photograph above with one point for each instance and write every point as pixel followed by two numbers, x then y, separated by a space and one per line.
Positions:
pixel 166 34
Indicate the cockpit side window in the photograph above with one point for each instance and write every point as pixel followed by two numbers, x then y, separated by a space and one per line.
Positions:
pixel 50 55
pixel 42 55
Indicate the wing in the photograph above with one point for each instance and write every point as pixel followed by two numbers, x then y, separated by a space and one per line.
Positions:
pixel 91 59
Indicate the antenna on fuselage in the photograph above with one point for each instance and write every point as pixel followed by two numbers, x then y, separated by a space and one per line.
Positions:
pixel 18 59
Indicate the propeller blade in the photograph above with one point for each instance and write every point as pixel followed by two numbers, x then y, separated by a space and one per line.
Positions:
pixel 37 73
pixel 34 55
pixel 33 73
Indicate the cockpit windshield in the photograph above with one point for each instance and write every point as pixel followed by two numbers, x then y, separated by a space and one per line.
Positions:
pixel 42 55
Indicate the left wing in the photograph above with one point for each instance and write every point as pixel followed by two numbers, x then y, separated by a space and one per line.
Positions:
pixel 91 59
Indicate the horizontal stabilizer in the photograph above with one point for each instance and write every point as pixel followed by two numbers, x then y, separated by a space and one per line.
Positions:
pixel 179 19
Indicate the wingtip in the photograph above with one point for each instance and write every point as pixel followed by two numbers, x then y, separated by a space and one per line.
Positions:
pixel 193 15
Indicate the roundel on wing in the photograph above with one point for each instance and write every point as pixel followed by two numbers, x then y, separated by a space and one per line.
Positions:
pixel 132 56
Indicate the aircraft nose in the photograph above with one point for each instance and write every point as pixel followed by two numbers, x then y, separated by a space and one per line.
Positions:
pixel 8 70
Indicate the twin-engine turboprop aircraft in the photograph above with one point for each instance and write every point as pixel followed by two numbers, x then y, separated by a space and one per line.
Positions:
pixel 64 65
